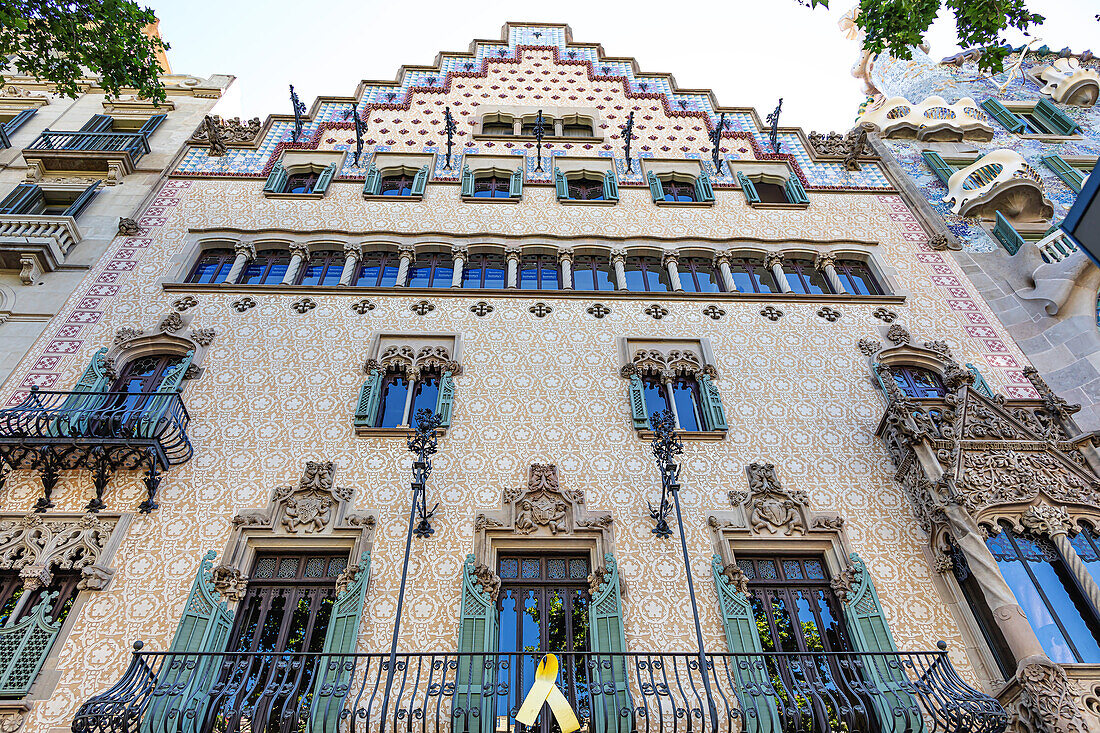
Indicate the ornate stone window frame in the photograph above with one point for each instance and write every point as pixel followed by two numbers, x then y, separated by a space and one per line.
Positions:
pixel 174 335
pixel 295 162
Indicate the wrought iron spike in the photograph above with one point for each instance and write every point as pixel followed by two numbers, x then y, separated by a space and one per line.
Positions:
pixel 628 135
pixel 299 110
pixel 538 139
pixel 716 143
pixel 360 128
pixel 449 127
pixel 773 120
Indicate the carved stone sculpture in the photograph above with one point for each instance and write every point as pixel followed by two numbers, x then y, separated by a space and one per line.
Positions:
pixel 36 545
pixel 315 505
pixel 771 508
pixel 229 582
pixel 227 132
pixel 543 507
pixel 128 227
pixel 850 146
pixel 1049 700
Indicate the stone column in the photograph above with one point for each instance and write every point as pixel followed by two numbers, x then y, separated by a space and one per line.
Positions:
pixel 34 577
pixel 671 260
pixel 618 261
pixel 352 255
pixel 774 262
pixel 722 262
pixel 565 259
pixel 411 375
pixel 299 254
pixel 512 253
pixel 826 262
pixel 246 252
pixel 407 252
pixel 458 252
pixel 666 379
pixel 1056 523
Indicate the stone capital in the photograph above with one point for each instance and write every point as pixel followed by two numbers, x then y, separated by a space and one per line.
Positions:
pixel 668 257
pixel 1044 519
pixel 353 249
pixel 459 249
pixel 512 253
pixel 565 254
pixel 721 258
pixel 300 250
pixel 825 259
pixel 772 259
pixel 248 249
pixel 618 255
pixel 406 250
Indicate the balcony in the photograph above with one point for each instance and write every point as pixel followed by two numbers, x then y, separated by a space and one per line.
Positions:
pixel 933 120
pixel 999 181
pixel 113 153
pixel 36 243
pixel 773 692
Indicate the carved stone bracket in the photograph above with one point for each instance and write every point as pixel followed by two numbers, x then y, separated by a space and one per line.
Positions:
pixel 1049 700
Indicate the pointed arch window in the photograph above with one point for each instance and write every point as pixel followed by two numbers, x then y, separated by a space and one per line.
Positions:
pixel 917 382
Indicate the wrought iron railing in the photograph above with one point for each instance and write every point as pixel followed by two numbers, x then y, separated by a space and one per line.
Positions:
pixel 910 692
pixel 76 422
pixel 134 143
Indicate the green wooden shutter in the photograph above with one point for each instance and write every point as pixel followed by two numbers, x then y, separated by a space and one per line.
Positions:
pixel 750 190
pixel 1069 175
pixel 1007 235
pixel 372 186
pixel 82 200
pixel 637 403
pixel 420 181
pixel 999 112
pixel 151 125
pixel 324 179
pixel 467 181
pixel 333 682
pixel 980 384
pixel 88 394
pixel 370 395
pixel 515 185
pixel 158 405
pixel 755 693
pixel 560 186
pixel 611 676
pixel 610 186
pixel 713 414
pixel 656 190
pixel 1055 119
pixel 98 123
pixel 938 165
pixel 476 676
pixel 445 402
pixel 276 180
pixel 704 191
pixel 796 194
pixel 25 646
pixel 23 199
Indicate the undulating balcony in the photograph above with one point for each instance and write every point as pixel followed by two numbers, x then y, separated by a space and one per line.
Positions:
pixel 999 181
pixel 101 432
pixel 933 120
pixel 773 692
pixel 113 153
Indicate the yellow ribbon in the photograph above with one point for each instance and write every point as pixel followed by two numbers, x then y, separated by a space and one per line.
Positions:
pixel 545 690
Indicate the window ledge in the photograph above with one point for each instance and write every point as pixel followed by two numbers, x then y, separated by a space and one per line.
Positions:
pixel 271 195
pixel 401 432
pixel 594 202
pixel 483 200
pixel 545 138
pixel 779 206
pixel 700 435
pixel 684 203
pixel 1050 138
pixel 381 197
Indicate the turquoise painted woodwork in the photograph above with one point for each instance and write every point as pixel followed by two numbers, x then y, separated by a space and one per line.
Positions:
pixel 372 185
pixel 445 401
pixel 610 186
pixel 161 403
pixel 704 191
pixel 637 403
pixel 938 165
pixel 25 645
pixel 656 190
pixel 334 676
pixel 324 179
pixel 560 186
pixel 611 674
pixel 796 194
pixel 711 401
pixel 1004 116
pixel 1055 119
pixel 1007 235
pixel 979 381
pixel 276 180
pixel 370 395
pixel 515 185
pixel 477 634
pixel 467 181
pixel 1069 175
pixel 748 188
pixel 87 395
pixel 420 180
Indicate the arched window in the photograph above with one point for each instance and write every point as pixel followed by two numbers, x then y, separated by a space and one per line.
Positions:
pixel 917 382
pixel 394 396
pixel 1087 545
pixel 857 279
pixel 593 273
pixel 134 406
pixel 539 272
pixel 771 193
pixel 212 267
pixel 397 184
pixel 685 397
pixel 697 275
pixel 492 187
pixel 300 182
pixel 144 374
pixel 431 270
pixel 804 278
pixel 530 123
pixel 496 124
pixel 268 268
pixel 425 394
pixel 677 190
pixel 324 268
pixel 485 271
pixel 378 270
pixel 645 274
pixel 585 189
pixel 576 127
pixel 656 396
pixel 750 276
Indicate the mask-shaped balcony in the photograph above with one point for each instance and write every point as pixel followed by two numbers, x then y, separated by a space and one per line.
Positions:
pixel 999 181
pixel 1066 82
pixel 933 120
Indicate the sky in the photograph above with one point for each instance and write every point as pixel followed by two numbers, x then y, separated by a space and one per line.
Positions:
pixel 750 52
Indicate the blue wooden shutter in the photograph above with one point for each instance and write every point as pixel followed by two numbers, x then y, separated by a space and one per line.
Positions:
pixel 26 644
pixel 445 402
pixel 938 165
pixel 796 194
pixel 467 181
pixel 610 186
pixel 11 126
pixel 515 185
pixel 713 414
pixel 1056 119
pixel 372 186
pixel 22 200
pixel 611 704
pixel 85 397
pixel 1007 235
pixel 324 179
pixel 82 200
pixel 980 384
pixel 560 186
pixel 341 639
pixel 159 404
pixel 5 142
pixel 1069 175
pixel 476 675
pixel 704 191
pixel 420 181
pixel 370 395
pixel 750 190
pixel 98 123
pixel 656 190
pixel 637 403
pixel 151 125
pixel 755 694
pixel 276 179
pixel 999 112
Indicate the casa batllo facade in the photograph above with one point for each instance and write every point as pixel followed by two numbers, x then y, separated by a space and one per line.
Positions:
pixel 719 428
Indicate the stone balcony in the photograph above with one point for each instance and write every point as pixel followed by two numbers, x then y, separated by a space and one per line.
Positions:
pixel 933 120
pixel 1067 82
pixel 999 181
pixel 36 243
pixel 114 154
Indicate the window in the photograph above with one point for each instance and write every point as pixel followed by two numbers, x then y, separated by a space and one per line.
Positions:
pixel 303 180
pixel 576 127
pixel 539 272
pixel 656 396
pixel 697 275
pixel 489 187
pixel 1043 118
pixel 804 278
pixel 378 270
pixel 396 181
pixel 497 124
pixel 485 271
pixel 1071 172
pixel 28 199
pixel 586 186
pixel 400 184
pixel 685 398
pixel 431 270
pixel 917 382
pixel 324 268
pixel 300 183
pixel 857 279
pixel 586 189
pixel 29 626
pixel 213 266
pixel 987 624
pixel 14 598
pixel 1052 601
pixel 770 193
pixel 397 407
pixel 1087 546
pixel 492 184
pixel 407 377
pixel 593 273
pixel 760 191
pixel 268 268
pixel 645 274
pixel 683 395
pixel 531 123
pixel 750 276
pixel 676 188
pixel 9 125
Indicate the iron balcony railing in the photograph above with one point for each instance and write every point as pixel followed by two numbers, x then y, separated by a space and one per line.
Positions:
pixel 910 692
pixel 76 422
pixel 134 143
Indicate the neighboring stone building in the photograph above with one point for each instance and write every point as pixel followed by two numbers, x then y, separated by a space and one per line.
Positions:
pixel 70 170
pixel 998 161
pixel 222 473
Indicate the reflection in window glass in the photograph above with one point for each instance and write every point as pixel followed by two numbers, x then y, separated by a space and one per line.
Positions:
pixel 431 271
pixel 425 394
pixel 212 267
pixel 804 278
pixel 391 409
pixel 585 189
pixel 656 397
pixel 593 273
pixel 917 382
pixel 538 272
pixel 268 268
pixel 697 275
pixel 378 270
pixel 645 274
pixel 324 268
pixel 685 391
pixel 750 276
pixel 857 278
pixel 485 271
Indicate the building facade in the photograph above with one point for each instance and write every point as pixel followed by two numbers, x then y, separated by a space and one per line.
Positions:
pixel 70 170
pixel 996 162
pixel 534 252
